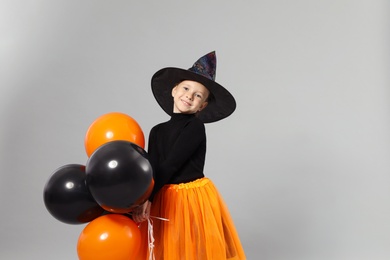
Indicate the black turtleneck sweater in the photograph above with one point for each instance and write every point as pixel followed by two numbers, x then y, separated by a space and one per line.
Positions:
pixel 177 150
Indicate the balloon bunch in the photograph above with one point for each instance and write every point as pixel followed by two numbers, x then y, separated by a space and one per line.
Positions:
pixel 117 178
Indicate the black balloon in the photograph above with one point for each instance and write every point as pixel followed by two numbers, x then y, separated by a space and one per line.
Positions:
pixel 119 176
pixel 67 197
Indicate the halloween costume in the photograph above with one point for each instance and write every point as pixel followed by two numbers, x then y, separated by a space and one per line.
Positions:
pixel 199 226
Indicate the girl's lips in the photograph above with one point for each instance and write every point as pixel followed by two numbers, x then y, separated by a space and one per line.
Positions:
pixel 185 103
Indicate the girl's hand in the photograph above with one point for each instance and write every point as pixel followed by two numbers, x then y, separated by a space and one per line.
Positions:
pixel 142 212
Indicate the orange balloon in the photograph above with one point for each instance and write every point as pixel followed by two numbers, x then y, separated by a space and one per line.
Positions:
pixel 112 127
pixel 112 236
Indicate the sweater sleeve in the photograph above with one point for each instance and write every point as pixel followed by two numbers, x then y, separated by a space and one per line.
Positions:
pixel 185 145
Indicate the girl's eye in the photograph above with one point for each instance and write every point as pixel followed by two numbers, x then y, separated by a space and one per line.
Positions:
pixel 185 88
pixel 199 96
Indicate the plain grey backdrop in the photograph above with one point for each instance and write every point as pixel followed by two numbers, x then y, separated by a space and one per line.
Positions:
pixel 303 163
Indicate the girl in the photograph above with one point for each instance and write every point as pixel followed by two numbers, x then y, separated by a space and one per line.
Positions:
pixel 193 221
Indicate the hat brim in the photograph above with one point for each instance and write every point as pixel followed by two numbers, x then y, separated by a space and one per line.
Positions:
pixel 220 106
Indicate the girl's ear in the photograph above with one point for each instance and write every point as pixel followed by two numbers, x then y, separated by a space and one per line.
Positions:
pixel 173 91
pixel 203 106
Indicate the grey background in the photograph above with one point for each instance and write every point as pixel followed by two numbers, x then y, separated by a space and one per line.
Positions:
pixel 303 163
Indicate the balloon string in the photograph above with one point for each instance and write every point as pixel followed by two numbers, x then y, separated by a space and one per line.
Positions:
pixel 151 236
pixel 165 219
pixel 151 239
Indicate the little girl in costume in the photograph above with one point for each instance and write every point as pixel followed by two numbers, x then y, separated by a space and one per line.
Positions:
pixel 193 221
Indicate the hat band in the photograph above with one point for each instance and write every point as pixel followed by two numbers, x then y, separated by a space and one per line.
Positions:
pixel 201 71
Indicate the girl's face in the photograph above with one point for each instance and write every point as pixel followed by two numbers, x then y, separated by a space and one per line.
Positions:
pixel 189 97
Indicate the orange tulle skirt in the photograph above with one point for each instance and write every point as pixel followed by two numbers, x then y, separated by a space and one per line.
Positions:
pixel 197 225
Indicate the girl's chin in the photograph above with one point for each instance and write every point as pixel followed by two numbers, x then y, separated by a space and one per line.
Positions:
pixel 183 112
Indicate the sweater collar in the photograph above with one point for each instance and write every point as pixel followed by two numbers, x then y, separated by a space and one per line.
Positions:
pixel 180 116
